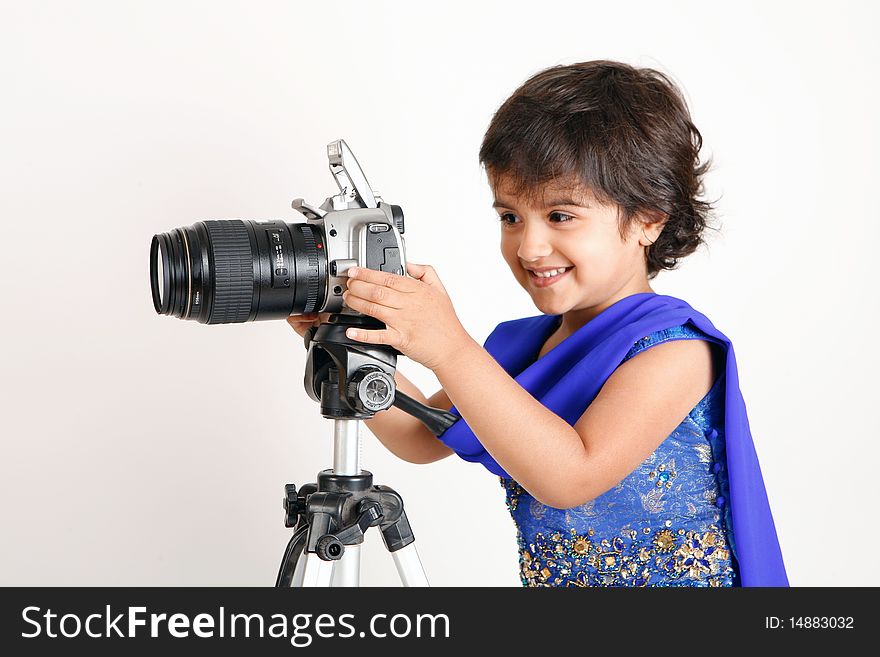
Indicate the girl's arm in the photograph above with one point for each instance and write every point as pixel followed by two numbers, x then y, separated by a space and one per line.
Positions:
pixel 562 466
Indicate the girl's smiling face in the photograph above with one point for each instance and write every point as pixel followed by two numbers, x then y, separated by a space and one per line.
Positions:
pixel 567 228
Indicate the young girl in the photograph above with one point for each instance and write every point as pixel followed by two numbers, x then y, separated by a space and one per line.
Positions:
pixel 614 418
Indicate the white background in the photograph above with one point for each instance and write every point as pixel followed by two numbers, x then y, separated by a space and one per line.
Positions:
pixel 144 450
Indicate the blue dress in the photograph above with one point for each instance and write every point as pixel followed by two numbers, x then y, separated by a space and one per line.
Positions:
pixel 665 524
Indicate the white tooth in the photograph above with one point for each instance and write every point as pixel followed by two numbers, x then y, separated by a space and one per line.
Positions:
pixel 548 274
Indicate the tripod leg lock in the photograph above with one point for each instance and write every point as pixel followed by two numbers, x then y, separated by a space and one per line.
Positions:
pixel 395 528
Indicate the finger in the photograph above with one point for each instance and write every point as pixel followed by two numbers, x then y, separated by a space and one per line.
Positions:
pixel 416 270
pixel 379 336
pixel 371 308
pixel 384 278
pixel 423 273
pixel 380 294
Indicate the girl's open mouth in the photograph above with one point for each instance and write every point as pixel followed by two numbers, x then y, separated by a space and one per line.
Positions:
pixel 544 281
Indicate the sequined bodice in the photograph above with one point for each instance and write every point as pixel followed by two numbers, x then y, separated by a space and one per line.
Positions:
pixel 665 524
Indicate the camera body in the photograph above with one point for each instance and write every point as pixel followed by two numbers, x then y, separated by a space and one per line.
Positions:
pixel 355 236
pixel 234 270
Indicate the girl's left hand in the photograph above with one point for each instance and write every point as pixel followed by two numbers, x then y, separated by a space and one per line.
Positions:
pixel 421 322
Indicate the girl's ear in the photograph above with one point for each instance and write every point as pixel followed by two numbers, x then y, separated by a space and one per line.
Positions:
pixel 652 225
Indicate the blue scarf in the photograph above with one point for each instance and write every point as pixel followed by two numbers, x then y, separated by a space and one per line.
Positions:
pixel 570 376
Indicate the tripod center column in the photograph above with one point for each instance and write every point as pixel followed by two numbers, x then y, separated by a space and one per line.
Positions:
pixel 346 447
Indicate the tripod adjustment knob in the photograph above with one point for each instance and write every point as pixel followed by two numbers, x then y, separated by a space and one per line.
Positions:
pixel 329 548
pixel 371 390
pixel 292 506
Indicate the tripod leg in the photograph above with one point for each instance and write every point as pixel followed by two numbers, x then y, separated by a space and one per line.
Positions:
pixel 347 571
pixel 291 562
pixel 299 568
pixel 409 566
pixel 316 571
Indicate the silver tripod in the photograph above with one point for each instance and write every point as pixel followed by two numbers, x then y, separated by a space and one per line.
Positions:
pixel 330 519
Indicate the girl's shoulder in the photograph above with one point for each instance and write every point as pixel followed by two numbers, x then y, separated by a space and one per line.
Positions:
pixel 708 413
pixel 686 331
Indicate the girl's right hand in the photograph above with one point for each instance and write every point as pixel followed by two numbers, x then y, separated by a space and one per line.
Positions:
pixel 302 323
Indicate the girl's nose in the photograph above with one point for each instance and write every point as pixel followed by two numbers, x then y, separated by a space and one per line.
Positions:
pixel 534 245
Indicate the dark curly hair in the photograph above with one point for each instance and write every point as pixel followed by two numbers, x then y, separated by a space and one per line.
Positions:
pixel 624 132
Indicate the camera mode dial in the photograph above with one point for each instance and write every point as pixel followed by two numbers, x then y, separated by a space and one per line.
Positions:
pixel 371 390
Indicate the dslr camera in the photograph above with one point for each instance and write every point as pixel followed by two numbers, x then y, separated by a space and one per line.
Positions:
pixel 236 270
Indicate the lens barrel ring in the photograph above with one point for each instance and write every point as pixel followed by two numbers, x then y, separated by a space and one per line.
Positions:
pixel 233 267
pixel 305 241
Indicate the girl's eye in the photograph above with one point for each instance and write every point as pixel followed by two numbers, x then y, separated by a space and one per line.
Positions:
pixel 508 218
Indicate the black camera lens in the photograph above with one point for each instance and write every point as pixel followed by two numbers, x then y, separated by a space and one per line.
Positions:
pixel 232 270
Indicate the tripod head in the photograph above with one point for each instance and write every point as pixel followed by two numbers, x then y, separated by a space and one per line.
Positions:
pixel 352 380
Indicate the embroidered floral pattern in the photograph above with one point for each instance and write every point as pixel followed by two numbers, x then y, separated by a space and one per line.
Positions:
pixel 664 474
pixel 514 490
pixel 575 560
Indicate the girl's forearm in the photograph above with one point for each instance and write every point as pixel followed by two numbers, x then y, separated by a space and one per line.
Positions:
pixel 526 438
